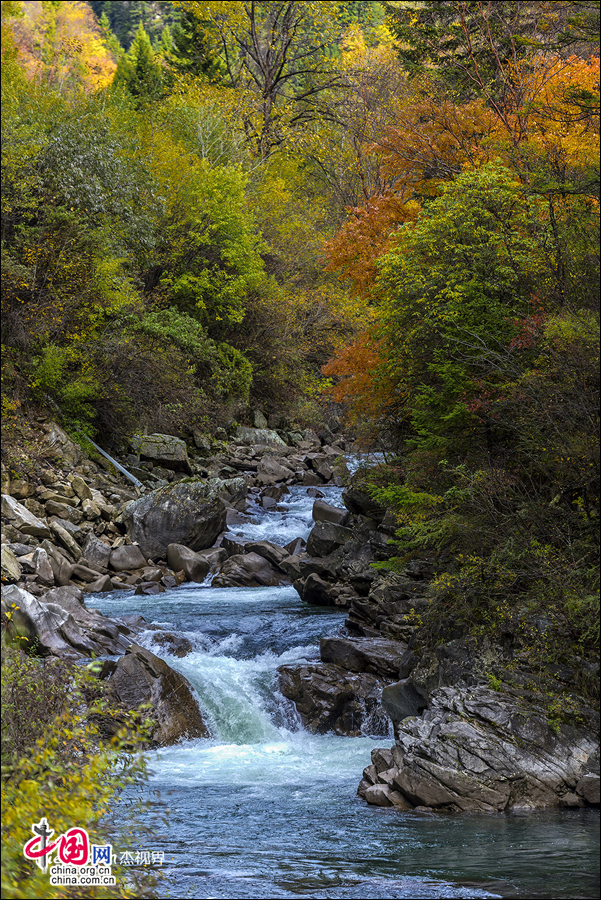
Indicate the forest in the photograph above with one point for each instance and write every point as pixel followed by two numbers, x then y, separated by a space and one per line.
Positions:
pixel 379 214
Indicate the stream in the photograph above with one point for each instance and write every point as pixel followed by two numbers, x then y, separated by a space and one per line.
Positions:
pixel 266 809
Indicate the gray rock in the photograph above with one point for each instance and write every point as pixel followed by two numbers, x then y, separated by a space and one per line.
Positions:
pixel 588 787
pixel 269 551
pixel 378 656
pixel 324 512
pixel 165 449
pixel 11 570
pixel 96 551
pixel 271 470
pixel 61 443
pixel 126 558
pixel 182 559
pixel 141 677
pixel 248 570
pixel 19 516
pixel 42 567
pixel 330 699
pixel 325 537
pixel 257 436
pixel 80 487
pixel 64 538
pixel 189 513
pixel 478 749
pixel 402 699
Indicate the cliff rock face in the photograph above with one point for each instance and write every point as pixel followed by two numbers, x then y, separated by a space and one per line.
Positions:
pixel 477 749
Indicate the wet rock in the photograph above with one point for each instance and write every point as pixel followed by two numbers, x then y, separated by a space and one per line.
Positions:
pixel 330 699
pixel 248 570
pixel 402 699
pixel 269 551
pixel 378 656
pixel 149 587
pixel 141 677
pixel 174 644
pixel 195 566
pixel 190 513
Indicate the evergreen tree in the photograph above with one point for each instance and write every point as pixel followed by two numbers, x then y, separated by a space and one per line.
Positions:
pixel 139 72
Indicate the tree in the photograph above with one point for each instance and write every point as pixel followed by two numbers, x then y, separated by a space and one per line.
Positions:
pixel 139 71
pixel 276 54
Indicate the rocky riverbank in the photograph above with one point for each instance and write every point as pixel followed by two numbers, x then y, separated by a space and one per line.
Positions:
pixel 471 725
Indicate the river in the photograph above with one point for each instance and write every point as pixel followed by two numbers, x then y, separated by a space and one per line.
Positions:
pixel 264 809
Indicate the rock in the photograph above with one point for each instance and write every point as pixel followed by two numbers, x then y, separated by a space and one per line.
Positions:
pixel 149 587
pixel 42 567
pixel 96 552
pixel 295 546
pixel 40 624
pixel 165 449
pixel 326 537
pixel 232 545
pixel 52 496
pixel 361 504
pixel 141 677
pixel 259 420
pixel 588 787
pixel 311 479
pixel 271 552
pixel 402 699
pixel 106 635
pixel 101 586
pixel 324 512
pixel 248 570
pixel 21 518
pixel 478 749
pixel 90 510
pixel 126 558
pixel 80 487
pixel 11 570
pixel 61 443
pixel 315 591
pixel 378 656
pixel 189 513
pixel 174 644
pixel 291 566
pixel 68 542
pixel 314 492
pixel 274 492
pixel 195 566
pixel 270 469
pixel 257 436
pixel 330 699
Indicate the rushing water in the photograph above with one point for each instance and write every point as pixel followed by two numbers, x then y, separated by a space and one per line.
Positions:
pixel 266 809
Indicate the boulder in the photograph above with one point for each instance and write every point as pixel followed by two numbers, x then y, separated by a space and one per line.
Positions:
pixel 141 677
pixel 403 699
pixel 182 559
pixel 248 570
pixel 126 558
pixel 11 570
pixel 360 503
pixel 378 656
pixel 61 443
pixel 19 516
pixel 325 537
pixel 107 636
pixel 165 449
pixel 271 552
pixel 173 644
pixel 80 487
pixel 479 749
pixel 64 538
pixel 189 513
pixel 271 470
pixel 257 436
pixel 42 567
pixel 329 699
pixel 324 512
pixel 96 552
